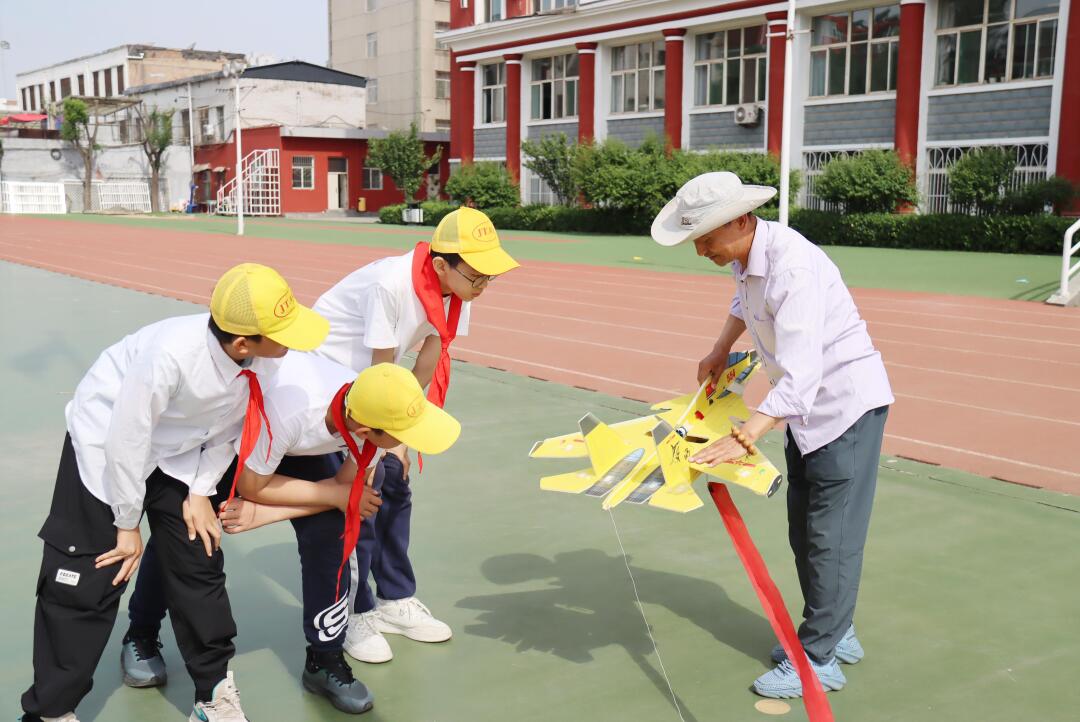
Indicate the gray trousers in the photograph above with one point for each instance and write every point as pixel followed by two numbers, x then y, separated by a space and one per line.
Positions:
pixel 830 495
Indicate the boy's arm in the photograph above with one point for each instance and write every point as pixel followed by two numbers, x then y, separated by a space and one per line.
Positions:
pixel 383 355
pixel 241 515
pixel 426 360
pixel 280 490
pixel 144 395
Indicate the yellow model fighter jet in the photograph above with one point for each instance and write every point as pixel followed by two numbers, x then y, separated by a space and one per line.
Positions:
pixel 647 460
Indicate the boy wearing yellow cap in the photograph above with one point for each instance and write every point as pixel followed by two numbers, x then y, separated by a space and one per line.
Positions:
pixel 318 408
pixel 151 429
pixel 376 315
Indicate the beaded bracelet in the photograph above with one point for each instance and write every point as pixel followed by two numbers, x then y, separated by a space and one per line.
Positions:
pixel 744 442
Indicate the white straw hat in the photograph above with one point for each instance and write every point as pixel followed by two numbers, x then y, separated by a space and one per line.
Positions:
pixel 704 203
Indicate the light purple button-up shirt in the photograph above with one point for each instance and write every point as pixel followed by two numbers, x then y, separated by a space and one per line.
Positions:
pixel 823 367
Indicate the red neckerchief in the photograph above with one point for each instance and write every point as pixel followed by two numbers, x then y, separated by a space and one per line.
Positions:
pixel 256 413
pixel 363 458
pixel 429 292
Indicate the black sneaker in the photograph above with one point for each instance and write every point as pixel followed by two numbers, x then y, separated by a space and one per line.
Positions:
pixel 141 661
pixel 328 674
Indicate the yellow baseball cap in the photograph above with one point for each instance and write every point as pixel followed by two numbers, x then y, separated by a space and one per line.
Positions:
pixel 254 300
pixel 388 397
pixel 471 234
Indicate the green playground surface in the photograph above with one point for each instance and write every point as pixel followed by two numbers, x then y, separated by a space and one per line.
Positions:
pixel 995 275
pixel 968 608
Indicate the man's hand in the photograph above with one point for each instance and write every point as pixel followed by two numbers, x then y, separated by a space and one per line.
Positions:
pixel 721 451
pixel 128 550
pixel 713 365
pixel 238 515
pixel 201 521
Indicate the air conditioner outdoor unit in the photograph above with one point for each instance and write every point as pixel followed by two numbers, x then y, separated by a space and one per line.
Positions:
pixel 209 130
pixel 747 114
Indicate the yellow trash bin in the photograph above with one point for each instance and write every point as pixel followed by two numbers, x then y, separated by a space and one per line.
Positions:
pixel 361 204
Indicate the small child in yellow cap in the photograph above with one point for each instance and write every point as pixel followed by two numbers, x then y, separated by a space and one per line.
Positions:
pixel 151 429
pixel 378 313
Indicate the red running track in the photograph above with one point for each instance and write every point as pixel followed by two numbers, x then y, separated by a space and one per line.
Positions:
pixel 983 385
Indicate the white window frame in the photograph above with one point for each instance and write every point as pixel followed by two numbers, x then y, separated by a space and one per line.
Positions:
pixel 307 172
pixel 373 179
pixel 371 6
pixel 547 6
pixel 372 91
pixel 493 97
pixel 494 10
pixel 372 45
pixel 442 84
pixel 892 54
pixel 568 84
pixel 708 66
pixel 983 28
pixel 631 75
pixel 537 191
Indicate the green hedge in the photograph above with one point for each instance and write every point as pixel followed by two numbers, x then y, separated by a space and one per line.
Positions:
pixel 999 234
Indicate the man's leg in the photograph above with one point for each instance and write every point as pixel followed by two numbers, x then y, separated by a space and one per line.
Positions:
pixel 399 611
pixel 76 603
pixel 194 586
pixel 842 478
pixel 797 502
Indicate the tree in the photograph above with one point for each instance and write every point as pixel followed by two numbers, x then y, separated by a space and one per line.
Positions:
pixel 401 156
pixel 76 129
pixel 552 158
pixel 874 181
pixel 980 178
pixel 483 185
pixel 155 129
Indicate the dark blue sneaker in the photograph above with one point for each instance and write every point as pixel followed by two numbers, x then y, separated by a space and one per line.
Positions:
pixel 328 674
pixel 141 662
pixel 848 650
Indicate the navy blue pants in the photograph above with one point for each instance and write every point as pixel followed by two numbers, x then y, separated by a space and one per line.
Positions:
pixel 384 552
pixel 318 541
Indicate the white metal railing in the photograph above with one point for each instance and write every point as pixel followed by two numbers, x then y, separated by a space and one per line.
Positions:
pixel 262 186
pixel 22 197
pixel 1031 165
pixel 131 196
pixel 1068 268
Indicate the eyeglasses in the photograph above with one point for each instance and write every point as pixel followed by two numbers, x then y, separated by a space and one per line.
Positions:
pixel 478 282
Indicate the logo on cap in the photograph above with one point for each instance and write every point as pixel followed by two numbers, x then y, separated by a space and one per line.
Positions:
pixel 483 232
pixel 687 221
pixel 416 407
pixel 284 305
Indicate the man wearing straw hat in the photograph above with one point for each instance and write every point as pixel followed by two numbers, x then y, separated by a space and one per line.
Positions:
pixel 828 384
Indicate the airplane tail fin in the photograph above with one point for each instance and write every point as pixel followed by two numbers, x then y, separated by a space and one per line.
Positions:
pixel 604 445
pixel 676 494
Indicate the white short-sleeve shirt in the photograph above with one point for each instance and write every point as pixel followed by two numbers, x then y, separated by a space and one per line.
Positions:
pixel 296 401
pixel 376 307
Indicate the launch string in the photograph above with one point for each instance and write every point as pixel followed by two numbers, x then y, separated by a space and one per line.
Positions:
pixel 641 608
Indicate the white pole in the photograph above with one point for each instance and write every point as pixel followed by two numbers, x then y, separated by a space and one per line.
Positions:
pixel 191 146
pixel 239 167
pixel 785 124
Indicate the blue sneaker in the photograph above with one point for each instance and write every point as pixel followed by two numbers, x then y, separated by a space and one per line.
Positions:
pixel 329 675
pixel 848 650
pixel 784 683
pixel 141 662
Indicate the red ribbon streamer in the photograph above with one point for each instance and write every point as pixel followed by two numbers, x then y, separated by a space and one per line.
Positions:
pixel 429 292
pixel 817 707
pixel 256 413
pixel 353 521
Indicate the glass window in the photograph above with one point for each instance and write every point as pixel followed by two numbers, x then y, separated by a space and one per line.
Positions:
pixel 493 93
pixel 553 87
pixel 372 90
pixel 854 53
pixel 303 172
pixel 338 165
pixel 373 179
pixel 372 45
pixel 730 66
pixel 442 84
pixel 493 10
pixel 635 72
pixel 994 41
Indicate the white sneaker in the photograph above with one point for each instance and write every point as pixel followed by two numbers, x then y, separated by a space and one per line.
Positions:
pixel 363 641
pixel 410 617
pixel 224 706
pixel 69 717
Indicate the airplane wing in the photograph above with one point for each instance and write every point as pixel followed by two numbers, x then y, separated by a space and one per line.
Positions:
pixel 572 446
